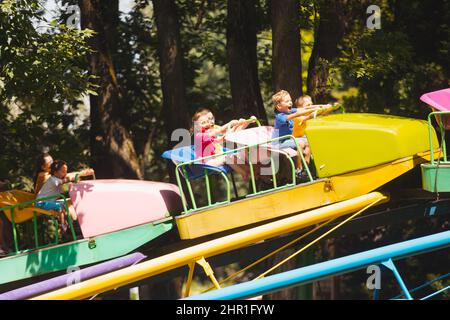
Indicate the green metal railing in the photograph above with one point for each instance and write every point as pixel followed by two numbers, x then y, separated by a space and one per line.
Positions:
pixel 436 173
pixel 436 114
pixel 181 167
pixel 17 206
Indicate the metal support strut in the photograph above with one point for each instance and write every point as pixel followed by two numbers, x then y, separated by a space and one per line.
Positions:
pixel 208 270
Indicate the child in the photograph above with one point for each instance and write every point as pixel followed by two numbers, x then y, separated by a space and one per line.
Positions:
pixel 304 104
pixel 207 138
pixel 42 171
pixel 284 115
pixel 54 186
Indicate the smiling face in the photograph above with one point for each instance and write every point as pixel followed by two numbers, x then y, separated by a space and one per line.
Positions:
pixel 285 104
pixel 304 102
pixel 62 172
pixel 205 121
pixel 307 103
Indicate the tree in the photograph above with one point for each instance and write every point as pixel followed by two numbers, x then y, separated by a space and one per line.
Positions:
pixel 175 111
pixel 112 149
pixel 393 66
pixel 41 81
pixel 332 25
pixel 286 47
pixel 242 62
pixel 39 69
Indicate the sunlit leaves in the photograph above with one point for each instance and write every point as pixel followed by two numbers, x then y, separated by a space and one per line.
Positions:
pixel 40 68
pixel 42 77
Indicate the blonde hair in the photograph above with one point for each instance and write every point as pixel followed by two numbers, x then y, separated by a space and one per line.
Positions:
pixel 277 97
pixel 300 101
pixel 200 112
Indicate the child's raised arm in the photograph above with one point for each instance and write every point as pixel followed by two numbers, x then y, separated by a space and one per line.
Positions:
pixel 242 124
pixel 86 172
pixel 301 112
pixel 223 129
pixel 327 108
pixel 70 177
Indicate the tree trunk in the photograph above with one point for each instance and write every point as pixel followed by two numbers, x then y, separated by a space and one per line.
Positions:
pixel 175 113
pixel 112 148
pixel 287 75
pixel 242 60
pixel 286 47
pixel 332 26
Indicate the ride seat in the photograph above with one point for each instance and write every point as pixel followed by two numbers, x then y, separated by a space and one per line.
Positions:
pixel 196 170
pixel 21 214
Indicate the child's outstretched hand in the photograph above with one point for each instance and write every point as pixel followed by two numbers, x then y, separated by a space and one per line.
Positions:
pixel 233 123
pixel 327 108
pixel 87 172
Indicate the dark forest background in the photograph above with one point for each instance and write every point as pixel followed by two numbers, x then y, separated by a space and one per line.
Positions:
pixel 110 94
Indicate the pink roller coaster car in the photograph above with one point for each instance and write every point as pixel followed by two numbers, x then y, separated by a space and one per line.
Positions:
pixel 104 206
pixel 439 101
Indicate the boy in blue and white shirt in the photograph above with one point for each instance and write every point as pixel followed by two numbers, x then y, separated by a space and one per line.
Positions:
pixel 284 124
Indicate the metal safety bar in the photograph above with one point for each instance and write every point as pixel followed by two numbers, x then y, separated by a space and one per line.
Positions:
pixel 182 167
pixel 442 131
pixel 11 209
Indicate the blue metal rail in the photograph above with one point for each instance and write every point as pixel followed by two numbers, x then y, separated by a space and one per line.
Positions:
pixel 383 255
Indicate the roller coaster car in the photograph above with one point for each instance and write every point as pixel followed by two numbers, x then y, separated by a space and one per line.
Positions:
pixel 105 206
pixel 353 154
pixel 23 213
pixel 115 218
pixel 436 173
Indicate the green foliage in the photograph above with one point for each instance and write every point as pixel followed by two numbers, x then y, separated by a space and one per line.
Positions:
pixel 203 35
pixel 42 76
pixel 24 137
pixel 203 38
pixel 391 67
pixel 40 69
pixel 376 55
pixel 137 66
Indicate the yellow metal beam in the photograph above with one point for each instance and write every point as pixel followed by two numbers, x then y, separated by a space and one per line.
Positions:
pixel 183 257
